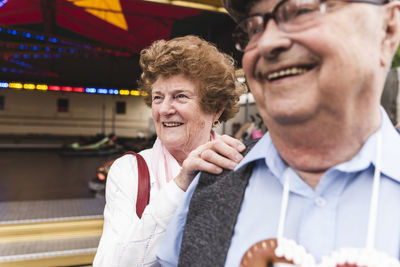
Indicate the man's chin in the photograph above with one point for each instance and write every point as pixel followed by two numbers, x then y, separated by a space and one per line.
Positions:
pixel 291 118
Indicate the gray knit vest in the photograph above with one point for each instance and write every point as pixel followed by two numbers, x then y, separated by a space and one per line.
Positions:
pixel 212 215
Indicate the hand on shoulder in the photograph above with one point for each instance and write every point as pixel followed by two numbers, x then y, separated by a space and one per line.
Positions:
pixel 221 153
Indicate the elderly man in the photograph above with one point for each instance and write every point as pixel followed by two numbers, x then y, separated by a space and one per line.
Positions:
pixel 322 187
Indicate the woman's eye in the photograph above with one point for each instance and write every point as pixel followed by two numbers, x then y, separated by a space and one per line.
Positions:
pixel 181 96
pixel 156 98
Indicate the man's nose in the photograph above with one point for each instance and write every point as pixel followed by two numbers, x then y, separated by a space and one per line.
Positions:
pixel 273 40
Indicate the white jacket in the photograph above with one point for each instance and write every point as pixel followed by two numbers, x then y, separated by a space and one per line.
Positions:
pixel 126 239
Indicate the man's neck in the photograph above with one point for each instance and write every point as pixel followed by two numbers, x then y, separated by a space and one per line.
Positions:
pixel 313 148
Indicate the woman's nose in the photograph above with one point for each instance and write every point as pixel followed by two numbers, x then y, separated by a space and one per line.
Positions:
pixel 167 107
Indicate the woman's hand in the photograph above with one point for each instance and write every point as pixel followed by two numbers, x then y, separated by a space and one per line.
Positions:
pixel 221 153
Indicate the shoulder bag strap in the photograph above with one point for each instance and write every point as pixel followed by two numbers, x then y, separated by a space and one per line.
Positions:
pixel 143 195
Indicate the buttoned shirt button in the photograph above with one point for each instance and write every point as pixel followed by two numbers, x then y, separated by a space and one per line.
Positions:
pixel 320 201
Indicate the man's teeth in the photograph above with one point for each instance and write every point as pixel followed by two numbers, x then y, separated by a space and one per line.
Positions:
pixel 172 124
pixel 286 72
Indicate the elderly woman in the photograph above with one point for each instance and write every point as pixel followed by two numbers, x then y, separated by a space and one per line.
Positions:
pixel 191 88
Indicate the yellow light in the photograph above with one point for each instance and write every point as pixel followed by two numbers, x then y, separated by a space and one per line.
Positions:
pixel 216 6
pixel 29 86
pixel 135 92
pixel 41 87
pixel 144 94
pixel 107 10
pixel 15 85
pixel 124 92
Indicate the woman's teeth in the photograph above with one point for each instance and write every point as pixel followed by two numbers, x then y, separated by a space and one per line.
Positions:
pixel 172 124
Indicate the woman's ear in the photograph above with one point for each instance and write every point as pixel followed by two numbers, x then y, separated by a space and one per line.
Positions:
pixel 391 32
pixel 218 115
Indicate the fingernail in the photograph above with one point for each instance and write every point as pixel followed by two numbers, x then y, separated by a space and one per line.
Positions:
pixel 218 170
pixel 238 157
pixel 232 165
pixel 241 147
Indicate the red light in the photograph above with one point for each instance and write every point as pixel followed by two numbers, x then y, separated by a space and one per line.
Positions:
pixel 78 89
pixel 66 88
pixel 53 88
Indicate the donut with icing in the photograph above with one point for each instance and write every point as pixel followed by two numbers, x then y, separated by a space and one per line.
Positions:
pixel 262 254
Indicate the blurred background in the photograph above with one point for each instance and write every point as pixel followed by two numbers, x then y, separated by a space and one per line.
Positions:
pixel 70 105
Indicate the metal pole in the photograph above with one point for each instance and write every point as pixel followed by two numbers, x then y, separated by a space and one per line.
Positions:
pixel 103 119
pixel 113 119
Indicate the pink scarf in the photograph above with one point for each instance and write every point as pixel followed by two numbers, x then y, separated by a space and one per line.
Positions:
pixel 163 165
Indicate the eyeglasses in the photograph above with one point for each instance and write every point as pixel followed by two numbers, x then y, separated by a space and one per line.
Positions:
pixel 289 15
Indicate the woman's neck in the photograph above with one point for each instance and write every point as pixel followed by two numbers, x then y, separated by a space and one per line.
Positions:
pixel 181 152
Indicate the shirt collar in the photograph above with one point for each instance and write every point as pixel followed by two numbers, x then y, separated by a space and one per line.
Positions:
pixel 390 165
pixel 367 155
pixel 390 148
pixel 261 149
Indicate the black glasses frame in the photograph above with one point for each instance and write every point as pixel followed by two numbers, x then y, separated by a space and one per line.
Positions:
pixel 239 34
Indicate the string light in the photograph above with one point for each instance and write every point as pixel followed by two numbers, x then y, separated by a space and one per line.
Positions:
pixel 58 44
pixel 57 88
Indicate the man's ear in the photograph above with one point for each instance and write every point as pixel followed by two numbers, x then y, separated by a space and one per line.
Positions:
pixel 391 32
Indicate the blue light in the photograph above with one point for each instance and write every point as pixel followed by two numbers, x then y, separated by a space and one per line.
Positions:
pixel 3 84
pixel 3 2
pixel 102 91
pixel 28 35
pixel 113 91
pixel 35 48
pixel 14 32
pixel 21 47
pixel 90 90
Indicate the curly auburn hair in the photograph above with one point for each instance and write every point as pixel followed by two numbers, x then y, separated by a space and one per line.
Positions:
pixel 199 61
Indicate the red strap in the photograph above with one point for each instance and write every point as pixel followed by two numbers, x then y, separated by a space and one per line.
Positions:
pixel 143 195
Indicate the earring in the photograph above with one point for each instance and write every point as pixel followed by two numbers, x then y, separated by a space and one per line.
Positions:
pixel 216 124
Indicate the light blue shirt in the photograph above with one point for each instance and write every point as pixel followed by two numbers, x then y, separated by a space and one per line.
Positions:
pixel 332 216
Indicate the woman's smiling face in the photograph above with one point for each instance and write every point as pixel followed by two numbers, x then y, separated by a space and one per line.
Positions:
pixel 180 122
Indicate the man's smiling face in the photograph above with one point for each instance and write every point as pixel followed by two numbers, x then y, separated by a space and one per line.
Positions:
pixel 326 69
